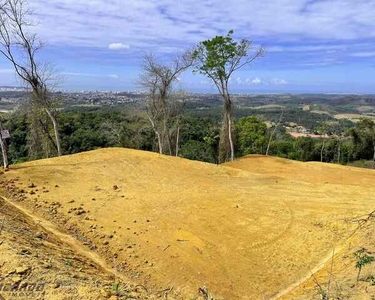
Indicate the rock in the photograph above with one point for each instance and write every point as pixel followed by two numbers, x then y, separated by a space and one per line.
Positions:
pixel 115 187
pixel 55 285
pixel 39 235
pixel 31 185
pixel 16 280
pixel 105 243
pixel 80 212
pixel 22 270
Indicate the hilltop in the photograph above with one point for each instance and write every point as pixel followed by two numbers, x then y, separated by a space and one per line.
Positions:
pixel 250 229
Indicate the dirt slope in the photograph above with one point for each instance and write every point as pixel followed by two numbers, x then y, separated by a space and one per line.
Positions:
pixel 246 230
pixel 40 263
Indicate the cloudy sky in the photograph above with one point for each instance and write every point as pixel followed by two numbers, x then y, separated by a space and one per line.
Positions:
pixel 312 45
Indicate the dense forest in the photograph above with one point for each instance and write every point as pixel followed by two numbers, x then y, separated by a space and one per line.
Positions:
pixel 88 129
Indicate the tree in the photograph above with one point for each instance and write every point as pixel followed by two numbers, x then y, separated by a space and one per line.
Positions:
pixel 164 111
pixel 322 131
pixel 367 126
pixel 274 131
pixel 362 259
pixel 21 48
pixel 218 58
pixel 251 135
pixel 3 146
pixel 363 137
pixel 304 147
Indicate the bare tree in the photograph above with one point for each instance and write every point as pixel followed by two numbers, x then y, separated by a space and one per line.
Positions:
pixel 4 150
pixel 323 130
pixel 21 48
pixel 274 131
pixel 164 107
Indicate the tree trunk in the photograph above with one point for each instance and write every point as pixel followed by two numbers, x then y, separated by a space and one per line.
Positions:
pixel 273 132
pixel 158 137
pixel 230 137
pixel 339 152
pixel 321 151
pixel 228 124
pixel 359 273
pixel 56 131
pixel 4 153
pixel 178 138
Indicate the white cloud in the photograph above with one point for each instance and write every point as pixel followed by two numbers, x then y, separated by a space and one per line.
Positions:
pixel 248 81
pixel 256 81
pixel 278 81
pixel 156 24
pixel 113 76
pixel 364 54
pixel 92 75
pixel 308 48
pixel 7 71
pixel 118 46
pixel 81 74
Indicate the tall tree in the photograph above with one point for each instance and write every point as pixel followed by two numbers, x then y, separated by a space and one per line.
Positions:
pixel 322 130
pixel 218 58
pixel 274 131
pixel 21 48
pixel 3 146
pixel 251 135
pixel 363 136
pixel 164 109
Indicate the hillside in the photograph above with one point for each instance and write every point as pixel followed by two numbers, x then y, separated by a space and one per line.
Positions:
pixel 246 230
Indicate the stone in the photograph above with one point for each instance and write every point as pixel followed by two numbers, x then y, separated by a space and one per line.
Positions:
pixel 22 270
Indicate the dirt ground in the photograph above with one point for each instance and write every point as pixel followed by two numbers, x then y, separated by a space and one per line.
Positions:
pixel 251 229
pixel 36 263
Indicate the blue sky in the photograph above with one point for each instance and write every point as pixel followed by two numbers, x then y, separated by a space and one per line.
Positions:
pixel 311 45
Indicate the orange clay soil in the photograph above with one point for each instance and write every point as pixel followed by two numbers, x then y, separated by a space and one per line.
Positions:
pixel 250 229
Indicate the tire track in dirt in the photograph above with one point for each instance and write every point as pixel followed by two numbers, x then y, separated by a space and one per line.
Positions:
pixel 320 266
pixel 74 244
pixel 281 236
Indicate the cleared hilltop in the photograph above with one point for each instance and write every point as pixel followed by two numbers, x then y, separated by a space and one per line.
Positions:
pixel 245 230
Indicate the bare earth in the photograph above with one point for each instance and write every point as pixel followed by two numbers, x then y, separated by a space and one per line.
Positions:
pixel 251 229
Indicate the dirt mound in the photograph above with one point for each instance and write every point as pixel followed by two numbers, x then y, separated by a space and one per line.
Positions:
pixel 246 230
pixel 311 172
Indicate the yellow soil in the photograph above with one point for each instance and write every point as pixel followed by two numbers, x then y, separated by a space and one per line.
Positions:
pixel 246 230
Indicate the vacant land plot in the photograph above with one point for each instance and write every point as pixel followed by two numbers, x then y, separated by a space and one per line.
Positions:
pixel 245 230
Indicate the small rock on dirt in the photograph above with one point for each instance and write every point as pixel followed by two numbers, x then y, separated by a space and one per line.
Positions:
pixel 22 270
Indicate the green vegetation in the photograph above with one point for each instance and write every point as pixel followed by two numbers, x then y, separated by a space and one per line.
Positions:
pixel 362 259
pixel 89 129
pixel 217 59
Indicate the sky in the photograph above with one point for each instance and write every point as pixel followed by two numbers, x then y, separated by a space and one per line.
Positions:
pixel 325 46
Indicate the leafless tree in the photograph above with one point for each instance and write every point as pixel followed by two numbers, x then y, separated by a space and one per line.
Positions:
pixel 164 104
pixel 21 48
pixel 274 131
pixel 4 150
